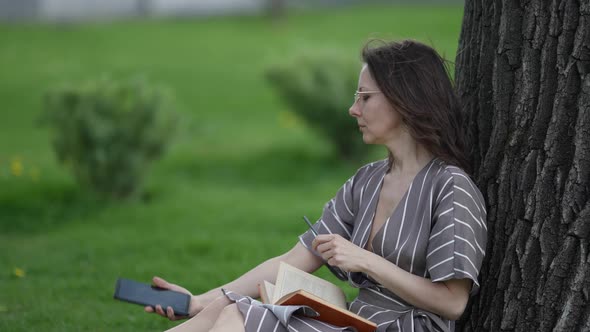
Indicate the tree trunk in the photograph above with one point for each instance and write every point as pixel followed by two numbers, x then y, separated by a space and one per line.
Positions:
pixel 523 75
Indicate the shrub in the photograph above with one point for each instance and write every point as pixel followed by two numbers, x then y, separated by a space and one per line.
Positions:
pixel 319 88
pixel 106 132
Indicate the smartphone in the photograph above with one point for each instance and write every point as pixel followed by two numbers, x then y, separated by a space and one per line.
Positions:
pixel 148 295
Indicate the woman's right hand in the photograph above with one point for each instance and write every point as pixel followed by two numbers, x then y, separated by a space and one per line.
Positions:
pixel 194 307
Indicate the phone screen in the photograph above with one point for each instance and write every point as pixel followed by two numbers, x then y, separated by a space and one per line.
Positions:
pixel 148 295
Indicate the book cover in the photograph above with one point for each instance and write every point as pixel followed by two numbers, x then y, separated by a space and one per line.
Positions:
pixel 296 287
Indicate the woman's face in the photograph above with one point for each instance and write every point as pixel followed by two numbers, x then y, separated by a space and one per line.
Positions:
pixel 376 118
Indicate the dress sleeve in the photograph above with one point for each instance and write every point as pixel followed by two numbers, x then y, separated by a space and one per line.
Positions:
pixel 337 217
pixel 458 235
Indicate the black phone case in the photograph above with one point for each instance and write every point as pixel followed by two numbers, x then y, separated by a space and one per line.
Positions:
pixel 147 295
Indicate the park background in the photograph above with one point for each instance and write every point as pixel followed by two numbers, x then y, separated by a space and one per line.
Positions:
pixel 228 193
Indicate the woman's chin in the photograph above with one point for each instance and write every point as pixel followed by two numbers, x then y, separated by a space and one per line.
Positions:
pixel 368 139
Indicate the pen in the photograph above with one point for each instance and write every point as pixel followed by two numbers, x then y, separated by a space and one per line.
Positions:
pixel 310 226
pixel 335 270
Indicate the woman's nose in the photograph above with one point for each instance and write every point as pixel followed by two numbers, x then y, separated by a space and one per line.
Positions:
pixel 354 110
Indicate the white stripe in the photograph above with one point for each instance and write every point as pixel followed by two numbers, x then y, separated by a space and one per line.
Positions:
pixel 445 197
pixel 400 250
pixel 360 224
pixel 469 274
pixel 344 198
pixel 261 320
pixel 304 322
pixel 422 222
pixel 366 230
pixel 403 219
pixel 442 230
pixel 388 322
pixel 416 244
pixel 372 305
pixel 326 226
pixel 430 205
pixel 247 314
pixel 442 278
pixel 441 246
pixel 304 244
pixel 377 313
pixel 326 325
pixel 387 297
pixel 385 232
pixel 442 190
pixel 439 263
pixel 472 187
pixel 361 308
pixel 444 212
pixel 362 193
pixel 467 258
pixel 335 214
pixel 465 240
pixel 474 237
pixel 276 326
pixel 480 223
pixel 377 188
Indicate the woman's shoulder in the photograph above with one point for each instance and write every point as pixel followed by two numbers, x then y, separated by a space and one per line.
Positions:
pixel 371 168
pixel 450 178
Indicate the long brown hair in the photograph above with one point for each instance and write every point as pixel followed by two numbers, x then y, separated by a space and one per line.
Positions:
pixel 415 80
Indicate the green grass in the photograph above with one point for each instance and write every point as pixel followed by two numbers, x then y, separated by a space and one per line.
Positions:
pixel 228 194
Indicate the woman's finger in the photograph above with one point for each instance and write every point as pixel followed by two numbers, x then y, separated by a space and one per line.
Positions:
pixel 170 313
pixel 159 282
pixel 148 309
pixel 160 311
pixel 324 238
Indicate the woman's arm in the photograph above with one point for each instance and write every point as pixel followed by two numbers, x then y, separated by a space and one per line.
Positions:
pixel 247 284
pixel 446 298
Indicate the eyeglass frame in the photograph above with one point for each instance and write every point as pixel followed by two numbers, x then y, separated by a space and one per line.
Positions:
pixel 357 94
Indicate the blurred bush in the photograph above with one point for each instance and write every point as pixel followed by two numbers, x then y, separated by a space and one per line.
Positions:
pixel 107 132
pixel 319 88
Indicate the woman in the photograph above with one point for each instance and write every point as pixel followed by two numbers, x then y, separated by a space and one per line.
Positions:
pixel 409 231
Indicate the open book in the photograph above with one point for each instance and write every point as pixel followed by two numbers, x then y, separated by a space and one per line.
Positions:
pixel 296 287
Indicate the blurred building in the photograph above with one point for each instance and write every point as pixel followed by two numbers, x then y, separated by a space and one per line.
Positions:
pixel 80 10
pixel 60 10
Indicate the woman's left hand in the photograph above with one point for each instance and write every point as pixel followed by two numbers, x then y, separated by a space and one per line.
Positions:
pixel 337 251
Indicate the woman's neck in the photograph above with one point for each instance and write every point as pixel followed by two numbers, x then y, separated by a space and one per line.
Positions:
pixel 409 157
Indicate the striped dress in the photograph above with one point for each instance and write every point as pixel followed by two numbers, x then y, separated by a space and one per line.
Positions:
pixel 437 231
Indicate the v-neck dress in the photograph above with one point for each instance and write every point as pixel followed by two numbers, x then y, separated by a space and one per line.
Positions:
pixel 437 231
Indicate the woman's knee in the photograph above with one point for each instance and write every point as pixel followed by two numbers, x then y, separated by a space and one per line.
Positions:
pixel 230 319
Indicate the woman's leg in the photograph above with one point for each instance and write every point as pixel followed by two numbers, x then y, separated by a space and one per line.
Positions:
pixel 205 319
pixel 230 320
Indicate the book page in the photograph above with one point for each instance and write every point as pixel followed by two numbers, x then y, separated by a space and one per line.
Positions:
pixel 291 279
pixel 266 292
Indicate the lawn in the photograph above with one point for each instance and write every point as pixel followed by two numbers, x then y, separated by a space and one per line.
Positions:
pixel 228 194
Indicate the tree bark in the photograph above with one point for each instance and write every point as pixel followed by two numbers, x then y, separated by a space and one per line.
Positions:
pixel 523 75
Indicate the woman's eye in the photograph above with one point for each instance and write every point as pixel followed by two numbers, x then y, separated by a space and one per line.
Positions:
pixel 365 97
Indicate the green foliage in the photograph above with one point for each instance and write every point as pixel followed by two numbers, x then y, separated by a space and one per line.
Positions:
pixel 107 132
pixel 319 88
pixel 248 177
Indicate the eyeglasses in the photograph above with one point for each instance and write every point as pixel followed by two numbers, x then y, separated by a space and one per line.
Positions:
pixel 357 94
